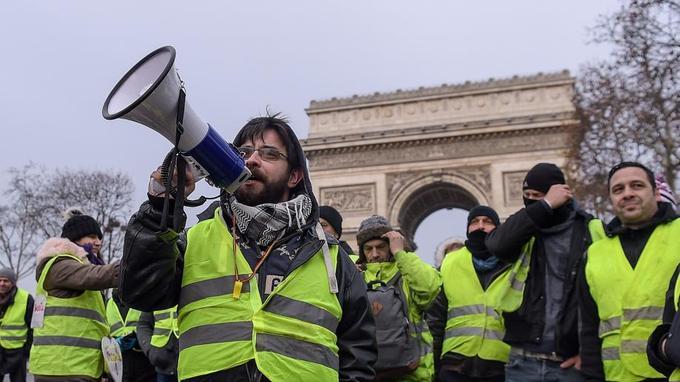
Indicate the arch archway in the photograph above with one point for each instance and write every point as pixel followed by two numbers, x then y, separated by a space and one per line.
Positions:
pixel 430 193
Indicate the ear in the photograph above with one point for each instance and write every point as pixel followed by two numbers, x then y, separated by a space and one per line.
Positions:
pixel 295 177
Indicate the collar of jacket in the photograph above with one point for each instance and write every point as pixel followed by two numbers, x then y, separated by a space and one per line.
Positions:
pixel 383 271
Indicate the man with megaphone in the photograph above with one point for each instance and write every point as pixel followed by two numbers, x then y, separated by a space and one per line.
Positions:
pixel 262 293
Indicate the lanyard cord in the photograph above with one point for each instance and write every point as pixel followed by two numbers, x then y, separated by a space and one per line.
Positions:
pixel 237 278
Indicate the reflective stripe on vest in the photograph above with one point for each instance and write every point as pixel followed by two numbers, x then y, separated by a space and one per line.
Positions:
pixel 291 335
pixel 473 327
pixel 513 291
pixel 69 343
pixel 630 301
pixel 164 325
pixel 13 329
pixel 118 326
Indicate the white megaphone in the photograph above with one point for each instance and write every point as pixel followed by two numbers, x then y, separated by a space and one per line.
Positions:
pixel 149 94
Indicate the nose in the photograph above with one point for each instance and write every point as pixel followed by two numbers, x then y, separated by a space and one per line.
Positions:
pixel 254 159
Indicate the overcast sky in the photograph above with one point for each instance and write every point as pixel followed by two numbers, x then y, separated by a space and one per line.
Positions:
pixel 60 59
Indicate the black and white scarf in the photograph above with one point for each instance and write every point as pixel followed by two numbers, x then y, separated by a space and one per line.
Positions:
pixel 268 222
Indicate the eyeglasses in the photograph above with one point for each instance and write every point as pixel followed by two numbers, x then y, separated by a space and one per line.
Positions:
pixel 269 154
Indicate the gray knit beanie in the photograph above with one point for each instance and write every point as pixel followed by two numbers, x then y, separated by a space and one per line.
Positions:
pixel 9 274
pixel 371 228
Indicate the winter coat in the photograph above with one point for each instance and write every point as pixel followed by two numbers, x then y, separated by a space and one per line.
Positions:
pixel 152 269
pixel 525 326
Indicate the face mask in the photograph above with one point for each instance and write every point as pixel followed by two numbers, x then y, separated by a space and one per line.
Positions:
pixel 528 202
pixel 475 244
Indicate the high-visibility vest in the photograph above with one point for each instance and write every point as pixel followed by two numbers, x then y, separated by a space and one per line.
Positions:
pixel 473 326
pixel 513 294
pixel 119 326
pixel 13 328
pixel 675 377
pixel 290 335
pixel 630 302
pixel 165 325
pixel 69 343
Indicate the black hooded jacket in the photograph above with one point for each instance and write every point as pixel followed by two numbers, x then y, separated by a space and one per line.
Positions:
pixel 633 241
pixel 525 327
pixel 151 275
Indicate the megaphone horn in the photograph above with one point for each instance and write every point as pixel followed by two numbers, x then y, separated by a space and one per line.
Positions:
pixel 149 94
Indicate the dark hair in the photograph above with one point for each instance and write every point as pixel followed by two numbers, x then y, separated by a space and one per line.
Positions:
pixel 255 128
pixel 622 165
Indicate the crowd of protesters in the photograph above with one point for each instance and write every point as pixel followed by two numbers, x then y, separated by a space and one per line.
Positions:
pixel 262 288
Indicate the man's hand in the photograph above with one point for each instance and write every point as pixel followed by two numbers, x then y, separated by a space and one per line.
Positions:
pixel 558 195
pixel 396 241
pixel 157 187
pixel 574 362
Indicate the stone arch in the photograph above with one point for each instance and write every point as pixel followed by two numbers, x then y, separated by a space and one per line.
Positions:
pixel 429 193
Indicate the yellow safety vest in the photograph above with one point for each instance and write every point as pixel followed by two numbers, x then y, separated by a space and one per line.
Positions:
pixel 473 326
pixel 630 302
pixel 13 329
pixel 69 343
pixel 290 335
pixel 119 326
pixel 165 325
pixel 517 279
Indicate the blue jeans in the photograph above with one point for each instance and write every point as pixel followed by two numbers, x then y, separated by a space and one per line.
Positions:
pixel 526 369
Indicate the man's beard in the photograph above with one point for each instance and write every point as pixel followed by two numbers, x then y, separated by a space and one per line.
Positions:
pixel 271 192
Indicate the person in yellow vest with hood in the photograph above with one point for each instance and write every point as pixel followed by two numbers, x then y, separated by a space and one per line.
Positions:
pixel 123 326
pixel 16 336
pixel 624 279
pixel 262 293
pixel 158 334
pixel 387 260
pixel 465 324
pixel 71 276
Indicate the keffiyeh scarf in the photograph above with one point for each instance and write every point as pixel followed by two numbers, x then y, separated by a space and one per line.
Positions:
pixel 268 222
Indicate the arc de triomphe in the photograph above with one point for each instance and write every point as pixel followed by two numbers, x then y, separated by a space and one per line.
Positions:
pixel 407 154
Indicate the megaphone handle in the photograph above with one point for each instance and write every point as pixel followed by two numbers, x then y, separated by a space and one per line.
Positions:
pixel 179 195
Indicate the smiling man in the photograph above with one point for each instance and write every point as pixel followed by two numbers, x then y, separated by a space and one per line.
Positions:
pixel 624 279
pixel 254 280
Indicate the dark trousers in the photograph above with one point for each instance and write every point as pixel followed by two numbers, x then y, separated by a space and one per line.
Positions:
pixel 16 375
pixel 452 376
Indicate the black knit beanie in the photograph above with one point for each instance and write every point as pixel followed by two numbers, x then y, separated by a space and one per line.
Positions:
pixel 79 226
pixel 333 217
pixel 542 176
pixel 483 211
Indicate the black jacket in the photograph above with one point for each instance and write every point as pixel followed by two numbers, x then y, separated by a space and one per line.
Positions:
pixel 151 274
pixel 633 242
pixel 525 326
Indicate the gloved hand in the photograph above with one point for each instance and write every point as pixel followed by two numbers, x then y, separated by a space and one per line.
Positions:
pixel 126 343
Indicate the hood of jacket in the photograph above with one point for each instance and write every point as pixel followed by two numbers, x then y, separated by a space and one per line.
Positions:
pixel 59 246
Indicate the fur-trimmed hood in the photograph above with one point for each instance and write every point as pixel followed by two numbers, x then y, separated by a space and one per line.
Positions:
pixel 58 246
